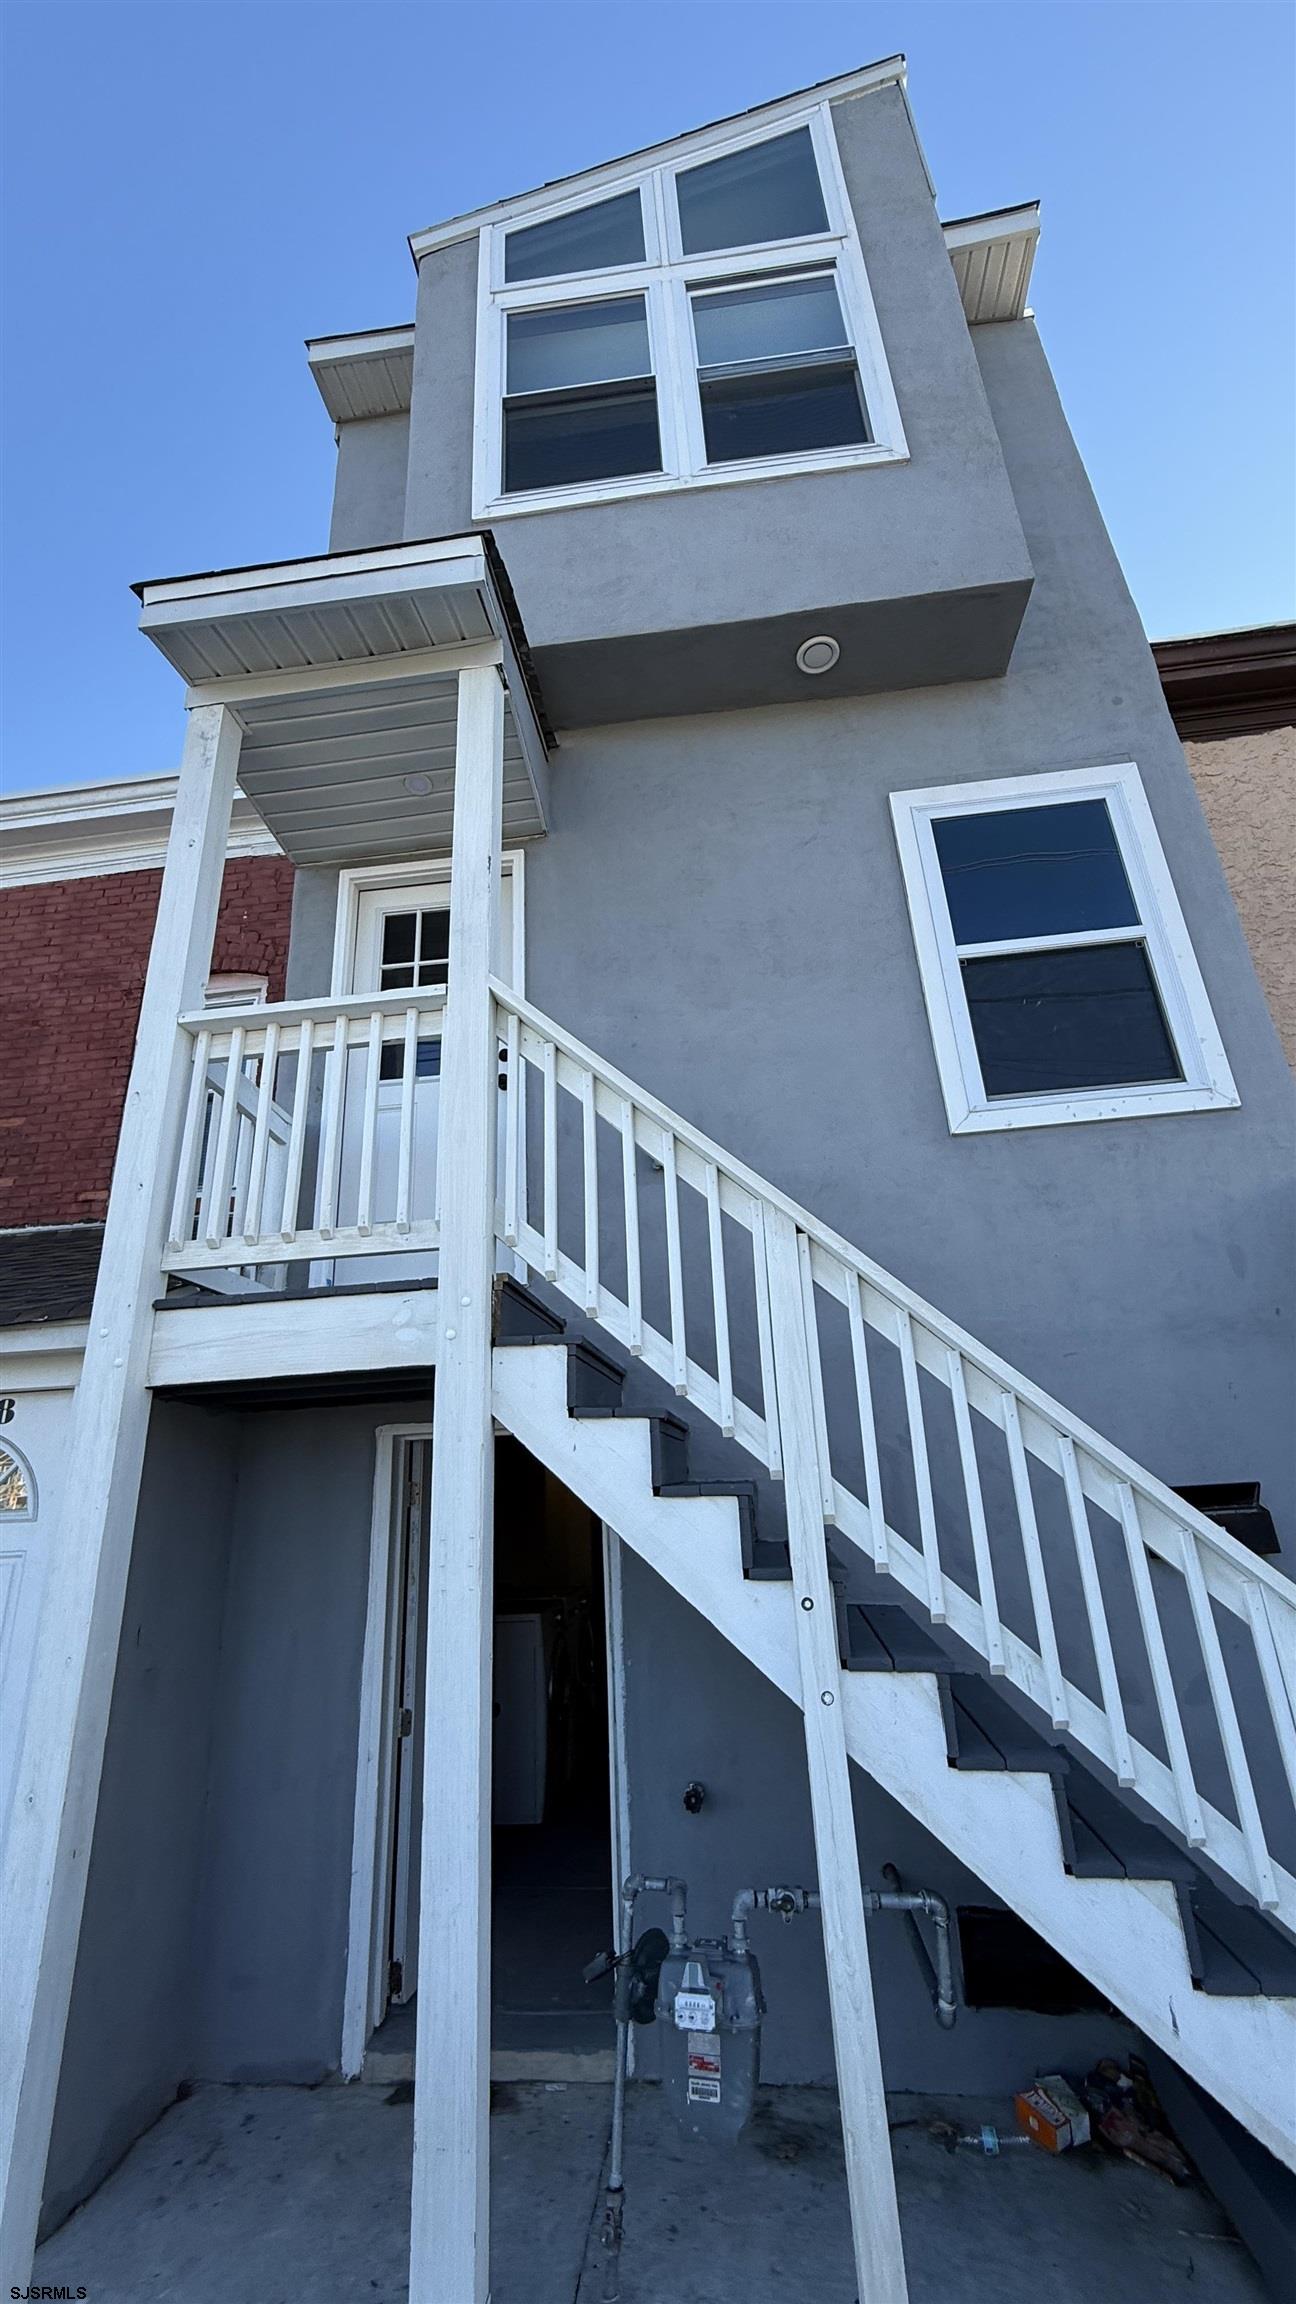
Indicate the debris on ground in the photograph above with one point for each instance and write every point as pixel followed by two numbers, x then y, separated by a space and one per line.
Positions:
pixel 1128 2118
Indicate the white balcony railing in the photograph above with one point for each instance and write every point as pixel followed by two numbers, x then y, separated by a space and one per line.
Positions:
pixel 309 1133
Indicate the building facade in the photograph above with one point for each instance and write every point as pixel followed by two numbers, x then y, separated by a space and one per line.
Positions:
pixel 765 1026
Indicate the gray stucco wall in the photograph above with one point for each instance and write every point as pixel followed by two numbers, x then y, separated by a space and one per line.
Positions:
pixel 270 1945
pixel 369 488
pixel 129 2039
pixel 214 1938
pixel 695 1709
pixel 595 578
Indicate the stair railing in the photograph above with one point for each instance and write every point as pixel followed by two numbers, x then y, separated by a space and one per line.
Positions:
pixel 301 1135
pixel 1150 1640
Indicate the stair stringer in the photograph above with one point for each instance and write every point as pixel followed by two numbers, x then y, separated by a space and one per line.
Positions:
pixel 1125 1935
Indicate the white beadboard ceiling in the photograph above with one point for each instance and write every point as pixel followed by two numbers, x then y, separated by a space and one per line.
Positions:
pixel 327 760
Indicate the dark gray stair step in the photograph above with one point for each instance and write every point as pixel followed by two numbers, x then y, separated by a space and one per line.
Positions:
pixel 1233 1952
pixel 982 1732
pixel 594 1383
pixel 521 1318
pixel 886 1639
pixel 1103 1838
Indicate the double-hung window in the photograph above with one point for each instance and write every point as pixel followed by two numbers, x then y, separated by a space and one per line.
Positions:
pixel 1059 980
pixel 707 320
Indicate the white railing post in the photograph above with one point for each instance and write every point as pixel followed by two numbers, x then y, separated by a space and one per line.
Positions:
pixel 870 2175
pixel 449 2220
pixel 47 1851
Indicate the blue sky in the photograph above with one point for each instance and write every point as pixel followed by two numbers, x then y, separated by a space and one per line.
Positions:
pixel 194 188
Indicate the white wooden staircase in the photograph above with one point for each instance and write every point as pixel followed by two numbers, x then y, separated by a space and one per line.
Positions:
pixel 1081 1686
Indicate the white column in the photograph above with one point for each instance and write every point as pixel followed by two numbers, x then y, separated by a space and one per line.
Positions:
pixel 47 1849
pixel 870 2174
pixel 449 2221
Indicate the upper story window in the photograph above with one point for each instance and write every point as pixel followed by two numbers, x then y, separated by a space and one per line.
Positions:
pixel 708 320
pixel 1059 980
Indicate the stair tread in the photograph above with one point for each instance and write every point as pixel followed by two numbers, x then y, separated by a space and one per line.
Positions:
pixel 1107 1840
pixel 886 1639
pixel 983 1732
pixel 521 1318
pixel 1233 1950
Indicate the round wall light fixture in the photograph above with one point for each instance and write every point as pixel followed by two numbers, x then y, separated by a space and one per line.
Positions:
pixel 419 785
pixel 818 654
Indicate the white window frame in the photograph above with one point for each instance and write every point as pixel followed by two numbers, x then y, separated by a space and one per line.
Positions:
pixel 356 880
pixel 1207 1084
pixel 664 279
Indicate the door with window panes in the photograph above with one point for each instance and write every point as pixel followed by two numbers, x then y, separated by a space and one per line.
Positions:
pixel 402 943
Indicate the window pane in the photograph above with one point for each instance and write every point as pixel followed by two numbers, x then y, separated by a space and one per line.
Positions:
pixel 434 943
pixel 611 232
pixel 769 191
pixel 781 412
pixel 15 1496
pixel 427 1060
pixel 1088 1018
pixel 398 937
pixel 578 344
pixel 1033 872
pixel 769 321
pixel 572 437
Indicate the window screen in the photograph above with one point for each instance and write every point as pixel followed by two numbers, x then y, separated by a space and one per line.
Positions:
pixel 581 403
pixel 589 239
pixel 768 191
pixel 776 372
pixel 1075 1014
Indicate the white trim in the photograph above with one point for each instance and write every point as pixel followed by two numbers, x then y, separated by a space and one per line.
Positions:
pixel 356 880
pixel 25 1513
pixel 665 280
pixel 613 175
pixel 382 559
pixel 42 1357
pixel 80 831
pixel 276 1335
pixel 1207 1083
pixel 361 672
pixel 368 1836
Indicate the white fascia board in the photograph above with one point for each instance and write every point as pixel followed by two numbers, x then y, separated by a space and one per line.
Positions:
pixel 42 1357
pixel 1004 224
pixel 275 574
pixel 80 831
pixel 889 73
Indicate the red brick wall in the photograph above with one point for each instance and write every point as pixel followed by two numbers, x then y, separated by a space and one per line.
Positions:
pixel 74 955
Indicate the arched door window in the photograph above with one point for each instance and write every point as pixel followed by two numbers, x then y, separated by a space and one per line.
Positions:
pixel 17 1487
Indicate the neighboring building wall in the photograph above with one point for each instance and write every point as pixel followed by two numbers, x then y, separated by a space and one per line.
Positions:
pixel 76 952
pixel 1247 786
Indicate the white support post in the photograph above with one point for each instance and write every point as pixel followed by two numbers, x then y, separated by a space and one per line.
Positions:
pixel 48 1843
pixel 449 2218
pixel 870 2175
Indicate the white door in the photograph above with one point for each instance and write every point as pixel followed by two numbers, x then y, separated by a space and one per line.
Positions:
pixel 33 1440
pixel 401 942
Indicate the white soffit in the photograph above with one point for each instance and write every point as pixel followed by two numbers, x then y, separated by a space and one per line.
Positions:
pixel 370 374
pixel 343 672
pixel 992 258
pixel 78 831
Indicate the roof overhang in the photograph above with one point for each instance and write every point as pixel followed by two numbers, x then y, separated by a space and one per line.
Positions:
pixel 343 672
pixel 1230 683
pixel 992 257
pixel 77 831
pixel 368 374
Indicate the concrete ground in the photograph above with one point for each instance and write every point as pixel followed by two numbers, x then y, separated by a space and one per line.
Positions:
pixel 269 2195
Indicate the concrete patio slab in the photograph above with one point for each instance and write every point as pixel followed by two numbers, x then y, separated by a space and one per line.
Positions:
pixel 276 2194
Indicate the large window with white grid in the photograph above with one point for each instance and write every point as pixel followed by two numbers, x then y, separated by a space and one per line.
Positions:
pixel 703 321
